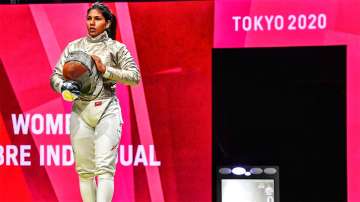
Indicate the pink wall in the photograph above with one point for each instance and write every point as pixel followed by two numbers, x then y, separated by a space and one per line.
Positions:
pixel 342 28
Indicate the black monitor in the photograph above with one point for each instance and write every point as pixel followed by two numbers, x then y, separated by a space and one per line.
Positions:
pixel 248 184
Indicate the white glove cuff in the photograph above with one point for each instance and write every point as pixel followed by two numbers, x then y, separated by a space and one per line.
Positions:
pixel 106 73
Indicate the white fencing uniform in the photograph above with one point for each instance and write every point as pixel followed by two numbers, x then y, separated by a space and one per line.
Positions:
pixel 95 124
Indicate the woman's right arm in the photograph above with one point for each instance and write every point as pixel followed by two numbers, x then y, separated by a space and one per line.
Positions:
pixel 57 79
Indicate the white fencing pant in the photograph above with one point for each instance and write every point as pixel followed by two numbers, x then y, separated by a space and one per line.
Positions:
pixel 95 151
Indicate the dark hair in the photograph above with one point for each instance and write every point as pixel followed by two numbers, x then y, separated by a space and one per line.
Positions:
pixel 105 11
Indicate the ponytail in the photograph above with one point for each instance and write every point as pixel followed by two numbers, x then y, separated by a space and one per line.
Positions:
pixel 111 31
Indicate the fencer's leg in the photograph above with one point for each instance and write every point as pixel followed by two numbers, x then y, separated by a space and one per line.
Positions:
pixel 88 189
pixel 105 190
pixel 82 140
pixel 107 137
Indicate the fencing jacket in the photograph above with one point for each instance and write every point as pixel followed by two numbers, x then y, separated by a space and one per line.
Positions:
pixel 120 67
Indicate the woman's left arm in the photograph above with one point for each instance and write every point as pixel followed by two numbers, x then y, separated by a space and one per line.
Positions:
pixel 126 71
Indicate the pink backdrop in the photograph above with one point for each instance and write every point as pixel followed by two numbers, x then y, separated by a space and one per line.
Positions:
pixel 171 108
pixel 342 29
pixel 169 111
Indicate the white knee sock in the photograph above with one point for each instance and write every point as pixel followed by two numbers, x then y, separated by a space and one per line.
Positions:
pixel 105 188
pixel 88 189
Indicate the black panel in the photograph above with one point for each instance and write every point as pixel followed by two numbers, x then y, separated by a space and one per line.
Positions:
pixel 285 107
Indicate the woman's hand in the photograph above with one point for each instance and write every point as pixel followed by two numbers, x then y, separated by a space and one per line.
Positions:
pixel 99 65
